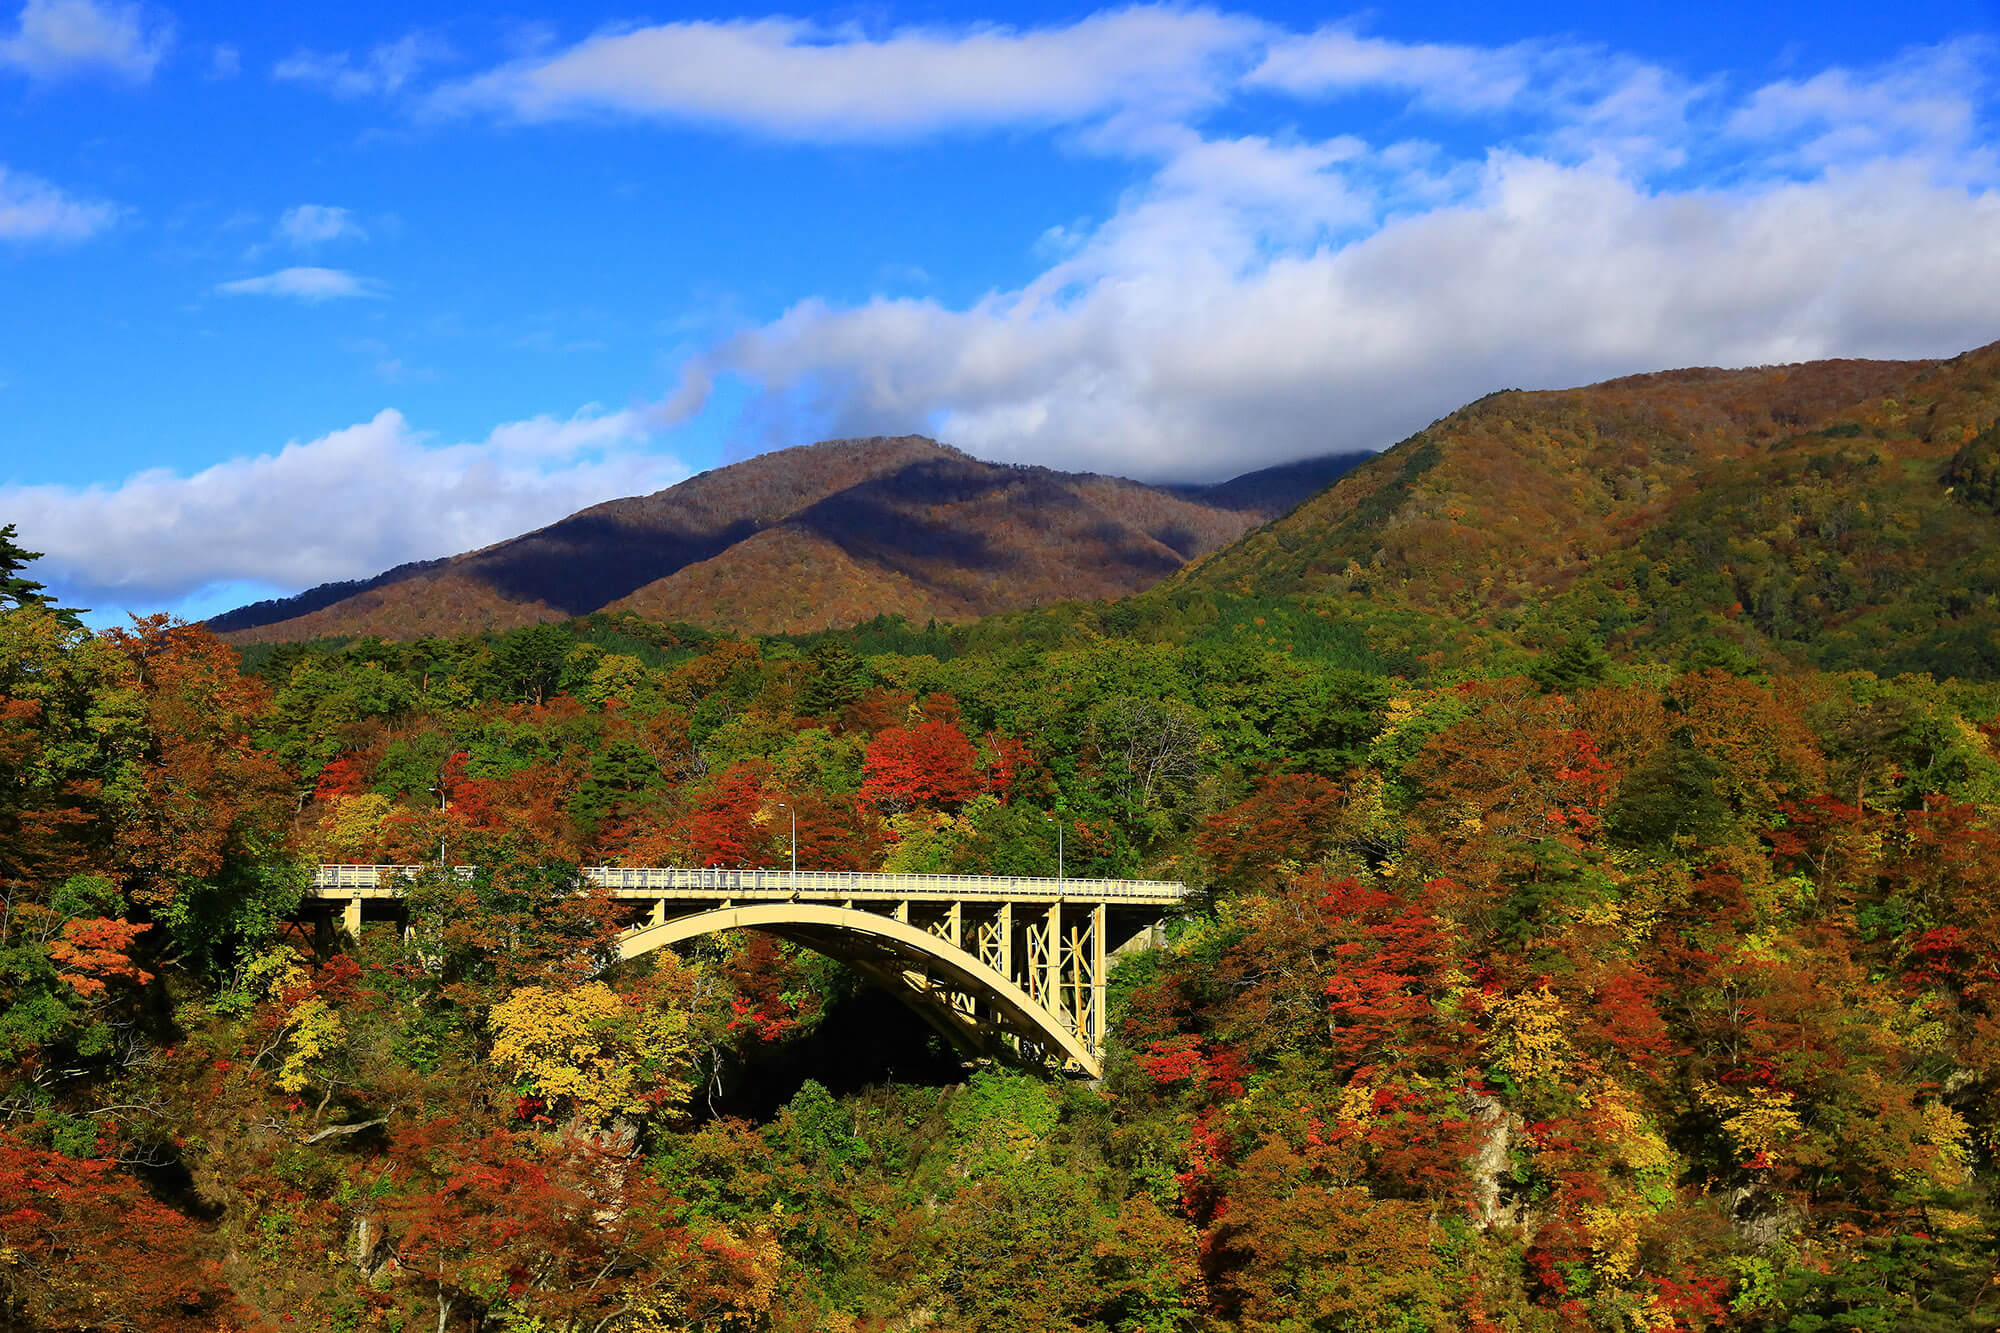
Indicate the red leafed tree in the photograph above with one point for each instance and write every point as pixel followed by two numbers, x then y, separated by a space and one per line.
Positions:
pixel 1290 817
pixel 725 829
pixel 1518 771
pixel 345 776
pixel 492 1218
pixel 83 1245
pixel 1834 844
pixel 1352 969
pixel 1622 1016
pixel 1010 761
pixel 471 799
pixel 834 833
pixel 773 996
pixel 514 1215
pixel 877 711
pixel 929 764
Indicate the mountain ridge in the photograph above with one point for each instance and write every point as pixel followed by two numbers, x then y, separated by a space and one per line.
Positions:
pixel 1802 511
pixel 902 523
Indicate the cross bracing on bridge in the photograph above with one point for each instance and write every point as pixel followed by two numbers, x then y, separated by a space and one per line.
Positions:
pixel 999 964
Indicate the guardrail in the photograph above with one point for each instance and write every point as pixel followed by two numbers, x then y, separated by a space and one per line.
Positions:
pixel 647 880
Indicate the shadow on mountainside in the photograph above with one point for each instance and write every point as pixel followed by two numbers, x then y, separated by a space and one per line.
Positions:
pixel 584 563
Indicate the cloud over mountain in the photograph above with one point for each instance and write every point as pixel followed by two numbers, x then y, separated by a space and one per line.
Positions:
pixel 347 504
pixel 1264 297
pixel 1165 241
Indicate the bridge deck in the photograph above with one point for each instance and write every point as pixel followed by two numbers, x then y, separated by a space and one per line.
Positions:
pixel 668 882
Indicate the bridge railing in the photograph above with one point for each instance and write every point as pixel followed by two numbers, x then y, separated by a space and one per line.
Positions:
pixel 818 883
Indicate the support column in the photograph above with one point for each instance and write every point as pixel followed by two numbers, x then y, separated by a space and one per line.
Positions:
pixel 659 912
pixel 1079 982
pixel 350 917
pixel 1005 923
pixel 1099 982
pixel 1052 988
pixel 955 925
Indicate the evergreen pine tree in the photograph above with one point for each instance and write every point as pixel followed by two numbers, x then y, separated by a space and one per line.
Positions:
pixel 18 590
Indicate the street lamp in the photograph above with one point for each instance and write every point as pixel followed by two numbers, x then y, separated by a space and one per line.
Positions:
pixel 1059 848
pixel 439 789
pixel 795 846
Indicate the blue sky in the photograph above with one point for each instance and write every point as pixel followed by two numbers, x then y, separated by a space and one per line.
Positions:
pixel 295 294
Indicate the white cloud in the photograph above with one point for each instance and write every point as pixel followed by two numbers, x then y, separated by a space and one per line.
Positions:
pixel 31 209
pixel 1338 60
pixel 310 226
pixel 1927 101
pixel 1202 330
pixel 349 504
pixel 311 285
pixel 393 370
pixel 383 72
pixel 225 62
pixel 799 80
pixel 1583 100
pixel 57 38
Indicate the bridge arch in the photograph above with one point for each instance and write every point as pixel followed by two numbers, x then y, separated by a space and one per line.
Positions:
pixel 1001 965
pixel 915 963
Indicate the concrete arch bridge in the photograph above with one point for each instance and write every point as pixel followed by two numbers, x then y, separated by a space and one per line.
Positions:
pixel 999 965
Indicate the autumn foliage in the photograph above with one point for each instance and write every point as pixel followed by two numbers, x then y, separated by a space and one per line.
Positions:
pixel 1591 926
pixel 929 764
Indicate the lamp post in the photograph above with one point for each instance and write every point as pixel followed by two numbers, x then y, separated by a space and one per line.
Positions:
pixel 795 845
pixel 439 789
pixel 1059 849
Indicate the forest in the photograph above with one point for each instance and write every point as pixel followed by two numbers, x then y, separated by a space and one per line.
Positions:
pixel 1540 976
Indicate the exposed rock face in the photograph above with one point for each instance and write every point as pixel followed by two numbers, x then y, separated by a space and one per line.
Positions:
pixel 1494 1130
pixel 599 1161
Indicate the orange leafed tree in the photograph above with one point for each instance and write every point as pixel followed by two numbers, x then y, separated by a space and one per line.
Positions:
pixel 94 949
pixel 208 789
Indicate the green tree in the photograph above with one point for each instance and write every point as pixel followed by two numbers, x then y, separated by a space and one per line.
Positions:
pixel 16 589
pixel 839 677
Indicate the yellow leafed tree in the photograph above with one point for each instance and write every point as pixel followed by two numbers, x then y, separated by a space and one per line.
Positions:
pixel 591 1052
pixel 352 829
pixel 1530 1035
pixel 1761 1122
pixel 312 1029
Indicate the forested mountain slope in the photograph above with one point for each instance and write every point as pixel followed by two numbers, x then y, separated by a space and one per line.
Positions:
pixel 1528 992
pixel 1838 512
pixel 811 538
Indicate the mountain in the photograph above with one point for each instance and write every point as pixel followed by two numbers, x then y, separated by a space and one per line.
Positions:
pixel 811 537
pixel 1843 513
